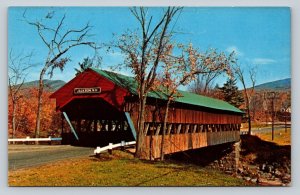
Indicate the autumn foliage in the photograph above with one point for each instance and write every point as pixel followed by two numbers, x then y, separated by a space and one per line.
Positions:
pixel 26 115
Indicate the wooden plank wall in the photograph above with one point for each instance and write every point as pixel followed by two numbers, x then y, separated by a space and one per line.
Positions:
pixel 181 142
pixel 189 127
pixel 179 114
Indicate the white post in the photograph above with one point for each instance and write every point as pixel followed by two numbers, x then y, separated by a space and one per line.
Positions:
pixel 123 145
pixel 97 152
pixel 28 138
pixel 110 148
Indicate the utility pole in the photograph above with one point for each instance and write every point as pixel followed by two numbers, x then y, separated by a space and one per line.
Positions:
pixel 272 96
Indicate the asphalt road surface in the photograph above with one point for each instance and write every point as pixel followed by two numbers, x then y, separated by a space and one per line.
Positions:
pixel 265 129
pixel 23 156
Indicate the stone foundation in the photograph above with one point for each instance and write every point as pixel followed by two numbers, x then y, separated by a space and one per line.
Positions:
pixel 230 162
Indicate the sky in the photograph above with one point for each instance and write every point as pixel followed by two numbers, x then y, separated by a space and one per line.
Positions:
pixel 259 36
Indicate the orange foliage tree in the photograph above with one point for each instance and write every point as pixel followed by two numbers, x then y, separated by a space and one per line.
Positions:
pixel 26 115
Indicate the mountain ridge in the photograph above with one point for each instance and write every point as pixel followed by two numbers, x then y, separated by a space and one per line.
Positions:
pixel 277 85
pixel 49 85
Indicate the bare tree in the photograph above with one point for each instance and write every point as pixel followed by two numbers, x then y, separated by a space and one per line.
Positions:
pixel 248 92
pixel 203 83
pixel 58 42
pixel 144 53
pixel 18 66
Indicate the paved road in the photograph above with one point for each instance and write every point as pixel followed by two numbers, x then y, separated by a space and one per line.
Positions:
pixel 265 129
pixel 23 156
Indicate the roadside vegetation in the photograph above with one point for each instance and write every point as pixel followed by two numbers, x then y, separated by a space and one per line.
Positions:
pixel 281 137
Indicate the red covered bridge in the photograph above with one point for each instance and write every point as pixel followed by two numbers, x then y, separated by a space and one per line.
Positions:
pixel 102 107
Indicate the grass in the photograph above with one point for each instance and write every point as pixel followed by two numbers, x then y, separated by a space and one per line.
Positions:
pixel 120 169
pixel 280 136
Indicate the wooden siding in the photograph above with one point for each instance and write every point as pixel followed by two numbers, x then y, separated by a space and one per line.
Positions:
pixel 181 142
pixel 183 114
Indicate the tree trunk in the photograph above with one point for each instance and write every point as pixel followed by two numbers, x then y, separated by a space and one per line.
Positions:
pixel 38 114
pixel 249 122
pixel 14 119
pixel 141 136
pixel 162 154
pixel 39 109
pixel 249 115
pixel 141 120
pixel 248 109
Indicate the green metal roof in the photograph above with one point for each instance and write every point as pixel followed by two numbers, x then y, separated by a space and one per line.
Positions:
pixel 130 84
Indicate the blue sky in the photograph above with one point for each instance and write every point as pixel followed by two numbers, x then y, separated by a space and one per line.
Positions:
pixel 259 36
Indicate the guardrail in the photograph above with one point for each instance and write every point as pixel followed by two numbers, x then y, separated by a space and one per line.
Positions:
pixel 111 146
pixel 28 139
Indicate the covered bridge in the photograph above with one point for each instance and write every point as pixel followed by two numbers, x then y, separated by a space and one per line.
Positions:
pixel 101 107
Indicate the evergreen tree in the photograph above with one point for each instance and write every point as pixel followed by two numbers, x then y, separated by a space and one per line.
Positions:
pixel 87 63
pixel 231 94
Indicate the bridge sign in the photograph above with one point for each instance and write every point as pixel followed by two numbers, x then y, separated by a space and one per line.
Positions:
pixel 90 90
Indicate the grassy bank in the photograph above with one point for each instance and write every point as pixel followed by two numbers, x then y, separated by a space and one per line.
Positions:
pixel 120 169
pixel 281 137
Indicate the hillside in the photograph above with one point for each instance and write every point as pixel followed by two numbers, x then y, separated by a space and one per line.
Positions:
pixel 279 85
pixel 50 85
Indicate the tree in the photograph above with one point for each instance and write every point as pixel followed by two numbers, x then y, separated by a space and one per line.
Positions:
pixel 217 93
pixel 248 92
pixel 203 83
pixel 26 119
pixel 58 42
pixel 143 55
pixel 87 63
pixel 231 94
pixel 184 69
pixel 17 71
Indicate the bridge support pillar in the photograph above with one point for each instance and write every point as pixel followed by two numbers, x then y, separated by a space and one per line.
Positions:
pixel 237 149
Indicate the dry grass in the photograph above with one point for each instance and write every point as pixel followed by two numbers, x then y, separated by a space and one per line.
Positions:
pixel 280 136
pixel 120 169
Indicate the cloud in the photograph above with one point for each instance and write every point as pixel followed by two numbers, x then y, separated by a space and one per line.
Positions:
pixel 235 49
pixel 263 61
